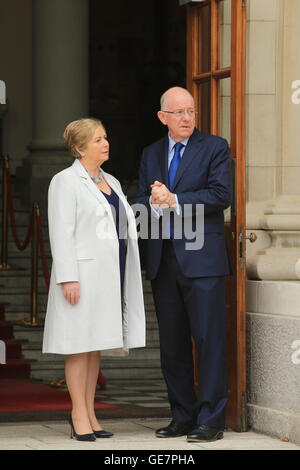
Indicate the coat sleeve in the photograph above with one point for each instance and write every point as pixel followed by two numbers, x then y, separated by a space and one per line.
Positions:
pixel 143 194
pixel 62 224
pixel 217 194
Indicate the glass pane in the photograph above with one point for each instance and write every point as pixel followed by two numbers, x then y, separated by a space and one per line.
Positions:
pixel 204 107
pixel 204 39
pixel 225 124
pixel 225 109
pixel 225 15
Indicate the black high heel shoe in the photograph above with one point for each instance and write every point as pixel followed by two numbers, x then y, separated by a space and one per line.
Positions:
pixel 81 437
pixel 103 433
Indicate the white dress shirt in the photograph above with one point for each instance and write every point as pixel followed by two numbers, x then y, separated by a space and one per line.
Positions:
pixel 159 212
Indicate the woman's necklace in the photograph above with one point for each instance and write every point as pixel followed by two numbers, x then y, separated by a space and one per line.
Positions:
pixel 98 178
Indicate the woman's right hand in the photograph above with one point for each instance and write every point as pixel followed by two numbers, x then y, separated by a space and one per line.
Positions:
pixel 71 292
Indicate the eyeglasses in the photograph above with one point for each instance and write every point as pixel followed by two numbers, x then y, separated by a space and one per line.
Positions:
pixel 181 112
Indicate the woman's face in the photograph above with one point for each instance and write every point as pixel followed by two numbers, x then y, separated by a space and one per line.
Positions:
pixel 97 149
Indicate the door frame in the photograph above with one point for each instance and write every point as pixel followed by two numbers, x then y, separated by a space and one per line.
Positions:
pixel 236 410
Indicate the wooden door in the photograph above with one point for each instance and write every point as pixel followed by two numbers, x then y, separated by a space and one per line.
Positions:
pixel 216 78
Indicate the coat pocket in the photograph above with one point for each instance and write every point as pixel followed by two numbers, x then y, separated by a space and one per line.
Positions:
pixel 85 258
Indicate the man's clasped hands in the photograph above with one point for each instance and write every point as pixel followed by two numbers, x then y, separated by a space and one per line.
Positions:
pixel 161 197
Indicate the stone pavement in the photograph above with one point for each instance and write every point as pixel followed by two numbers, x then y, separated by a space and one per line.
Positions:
pixel 132 434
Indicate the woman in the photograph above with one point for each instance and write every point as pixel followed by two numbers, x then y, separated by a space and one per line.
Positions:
pixel 95 299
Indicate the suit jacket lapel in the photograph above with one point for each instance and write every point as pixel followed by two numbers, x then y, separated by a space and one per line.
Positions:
pixel 163 160
pixel 189 154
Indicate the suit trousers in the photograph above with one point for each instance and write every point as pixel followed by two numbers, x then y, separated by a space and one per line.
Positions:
pixel 185 308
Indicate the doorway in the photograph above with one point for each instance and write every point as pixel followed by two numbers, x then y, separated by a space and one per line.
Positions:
pixel 216 70
pixel 137 51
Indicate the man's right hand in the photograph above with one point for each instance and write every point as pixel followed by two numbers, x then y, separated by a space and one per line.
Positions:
pixel 71 292
pixel 161 197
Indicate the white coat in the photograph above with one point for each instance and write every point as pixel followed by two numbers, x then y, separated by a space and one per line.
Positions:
pixel 85 248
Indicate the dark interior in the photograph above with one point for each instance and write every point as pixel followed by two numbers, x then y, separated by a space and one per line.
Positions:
pixel 137 51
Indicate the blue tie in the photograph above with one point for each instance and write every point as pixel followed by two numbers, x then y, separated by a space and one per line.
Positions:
pixel 175 163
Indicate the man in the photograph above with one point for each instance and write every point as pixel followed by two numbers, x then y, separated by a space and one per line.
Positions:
pixel 187 170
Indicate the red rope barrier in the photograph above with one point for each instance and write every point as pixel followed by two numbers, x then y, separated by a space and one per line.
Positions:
pixel 19 245
pixel 42 250
pixel 23 246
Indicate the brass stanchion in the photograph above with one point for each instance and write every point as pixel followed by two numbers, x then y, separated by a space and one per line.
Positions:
pixel 4 231
pixel 34 267
pixel 33 320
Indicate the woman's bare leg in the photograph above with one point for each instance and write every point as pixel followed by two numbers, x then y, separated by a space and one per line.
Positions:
pixel 93 372
pixel 76 370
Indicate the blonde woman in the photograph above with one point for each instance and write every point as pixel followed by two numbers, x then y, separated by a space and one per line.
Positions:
pixel 95 299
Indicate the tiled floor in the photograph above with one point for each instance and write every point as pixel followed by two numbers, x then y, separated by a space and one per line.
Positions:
pixel 149 394
pixel 133 434
pixel 129 434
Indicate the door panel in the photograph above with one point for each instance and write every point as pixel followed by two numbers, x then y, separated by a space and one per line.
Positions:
pixel 204 106
pixel 225 33
pixel 204 51
pixel 225 105
pixel 216 47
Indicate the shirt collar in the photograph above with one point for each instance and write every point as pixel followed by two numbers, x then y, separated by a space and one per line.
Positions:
pixel 172 143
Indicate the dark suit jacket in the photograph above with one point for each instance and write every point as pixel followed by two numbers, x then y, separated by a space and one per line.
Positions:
pixel 203 177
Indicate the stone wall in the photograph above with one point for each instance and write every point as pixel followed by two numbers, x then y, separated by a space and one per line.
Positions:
pixel 273 213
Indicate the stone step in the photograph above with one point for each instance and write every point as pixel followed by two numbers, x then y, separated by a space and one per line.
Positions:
pixel 13 349
pixel 28 333
pixel 17 203
pixel 23 261
pixel 13 251
pixel 21 283
pixel 17 289
pixel 137 374
pixel 35 334
pixel 19 273
pixel 22 216
pixel 11 309
pixel 6 330
pixel 33 352
pixel 142 369
pixel 22 230
pixel 15 368
pixel 20 308
pixel 14 273
pixel 21 298
pixel 14 280
pixel 17 316
pixel 42 305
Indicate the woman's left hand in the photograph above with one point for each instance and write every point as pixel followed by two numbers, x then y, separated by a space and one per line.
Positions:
pixel 71 292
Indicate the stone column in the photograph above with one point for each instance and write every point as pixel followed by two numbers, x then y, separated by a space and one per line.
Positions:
pixel 280 242
pixel 60 86
pixel 273 291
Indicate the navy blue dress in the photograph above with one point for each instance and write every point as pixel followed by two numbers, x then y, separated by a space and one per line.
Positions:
pixel 120 218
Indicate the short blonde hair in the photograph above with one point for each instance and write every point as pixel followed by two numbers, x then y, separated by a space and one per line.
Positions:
pixel 79 133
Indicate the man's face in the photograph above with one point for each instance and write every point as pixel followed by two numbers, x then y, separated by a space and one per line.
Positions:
pixel 181 125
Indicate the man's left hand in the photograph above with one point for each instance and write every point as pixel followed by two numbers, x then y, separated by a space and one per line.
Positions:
pixel 162 196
